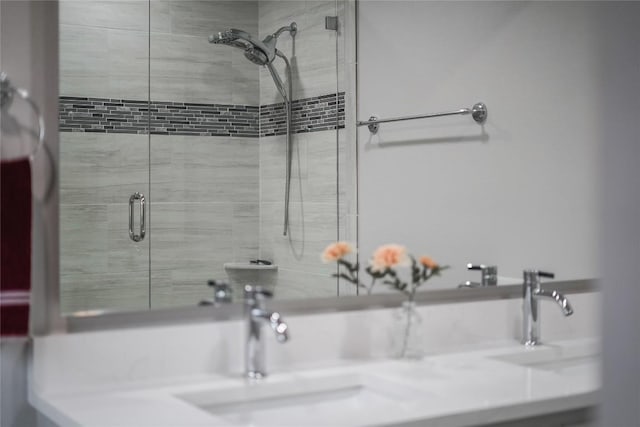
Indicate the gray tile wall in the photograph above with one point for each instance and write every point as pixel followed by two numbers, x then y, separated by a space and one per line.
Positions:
pixel 185 67
pixel 314 203
pixel 107 51
pixel 204 213
pixel 101 268
pixel 104 49
pixel 312 53
pixel 325 112
pixel 313 212
pixel 103 115
pixel 205 189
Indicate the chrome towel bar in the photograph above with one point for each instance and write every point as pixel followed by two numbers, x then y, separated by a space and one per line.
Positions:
pixel 478 113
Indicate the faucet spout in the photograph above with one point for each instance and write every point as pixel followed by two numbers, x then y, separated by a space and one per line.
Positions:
pixel 556 296
pixel 532 292
pixel 255 297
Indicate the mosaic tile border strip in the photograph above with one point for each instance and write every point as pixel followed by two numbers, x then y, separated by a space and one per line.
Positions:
pixel 107 115
pixel 308 115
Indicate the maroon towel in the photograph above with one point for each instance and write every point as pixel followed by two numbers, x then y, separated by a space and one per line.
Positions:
pixel 15 236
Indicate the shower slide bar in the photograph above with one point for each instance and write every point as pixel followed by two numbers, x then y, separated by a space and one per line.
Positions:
pixel 478 113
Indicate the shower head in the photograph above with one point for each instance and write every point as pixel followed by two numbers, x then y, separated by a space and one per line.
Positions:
pixel 256 55
pixel 259 52
pixel 255 50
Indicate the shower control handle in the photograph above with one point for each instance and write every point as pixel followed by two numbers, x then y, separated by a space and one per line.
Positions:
pixel 132 235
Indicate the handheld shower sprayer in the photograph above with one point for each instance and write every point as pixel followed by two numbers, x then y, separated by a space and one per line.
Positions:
pixel 264 53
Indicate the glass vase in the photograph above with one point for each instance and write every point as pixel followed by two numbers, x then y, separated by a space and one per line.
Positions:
pixel 407 332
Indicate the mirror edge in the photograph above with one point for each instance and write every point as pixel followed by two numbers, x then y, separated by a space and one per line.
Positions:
pixel 96 321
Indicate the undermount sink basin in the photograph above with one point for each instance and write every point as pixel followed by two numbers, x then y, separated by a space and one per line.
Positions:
pixel 560 359
pixel 332 400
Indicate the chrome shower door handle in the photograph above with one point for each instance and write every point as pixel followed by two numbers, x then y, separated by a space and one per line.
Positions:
pixel 132 235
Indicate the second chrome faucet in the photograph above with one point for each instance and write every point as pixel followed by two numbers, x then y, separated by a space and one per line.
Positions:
pixel 255 300
pixel 531 294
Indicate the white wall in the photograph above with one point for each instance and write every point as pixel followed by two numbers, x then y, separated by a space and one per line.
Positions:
pixel 63 363
pixel 519 192
pixel 560 146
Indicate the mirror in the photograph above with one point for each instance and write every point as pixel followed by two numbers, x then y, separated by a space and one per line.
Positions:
pixel 519 191
pixel 175 154
pixel 149 105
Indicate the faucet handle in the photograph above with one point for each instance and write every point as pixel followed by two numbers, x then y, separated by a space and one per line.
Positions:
pixel 489 273
pixel 532 277
pixel 538 273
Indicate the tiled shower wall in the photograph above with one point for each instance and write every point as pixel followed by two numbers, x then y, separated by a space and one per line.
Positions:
pixel 105 49
pixel 216 189
pixel 313 209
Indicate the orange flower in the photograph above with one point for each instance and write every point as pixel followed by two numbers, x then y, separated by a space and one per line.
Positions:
pixel 428 262
pixel 389 256
pixel 336 251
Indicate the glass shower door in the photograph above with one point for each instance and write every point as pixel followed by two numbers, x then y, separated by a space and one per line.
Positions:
pixel 219 150
pixel 104 155
pixel 150 108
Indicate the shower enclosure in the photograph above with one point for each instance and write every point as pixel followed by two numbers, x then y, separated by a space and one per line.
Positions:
pixel 179 156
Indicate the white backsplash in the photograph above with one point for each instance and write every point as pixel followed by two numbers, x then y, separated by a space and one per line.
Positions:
pixel 79 361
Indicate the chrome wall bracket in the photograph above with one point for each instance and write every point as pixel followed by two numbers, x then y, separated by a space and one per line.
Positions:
pixel 374 125
pixel 479 113
pixel 331 23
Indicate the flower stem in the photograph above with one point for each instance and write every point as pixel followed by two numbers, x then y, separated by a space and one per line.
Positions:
pixel 370 288
pixel 405 342
pixel 407 331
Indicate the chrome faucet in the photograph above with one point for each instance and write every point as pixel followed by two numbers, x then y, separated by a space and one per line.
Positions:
pixel 255 297
pixel 489 276
pixel 531 293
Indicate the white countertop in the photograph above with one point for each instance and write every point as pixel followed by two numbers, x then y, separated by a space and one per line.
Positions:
pixel 455 389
